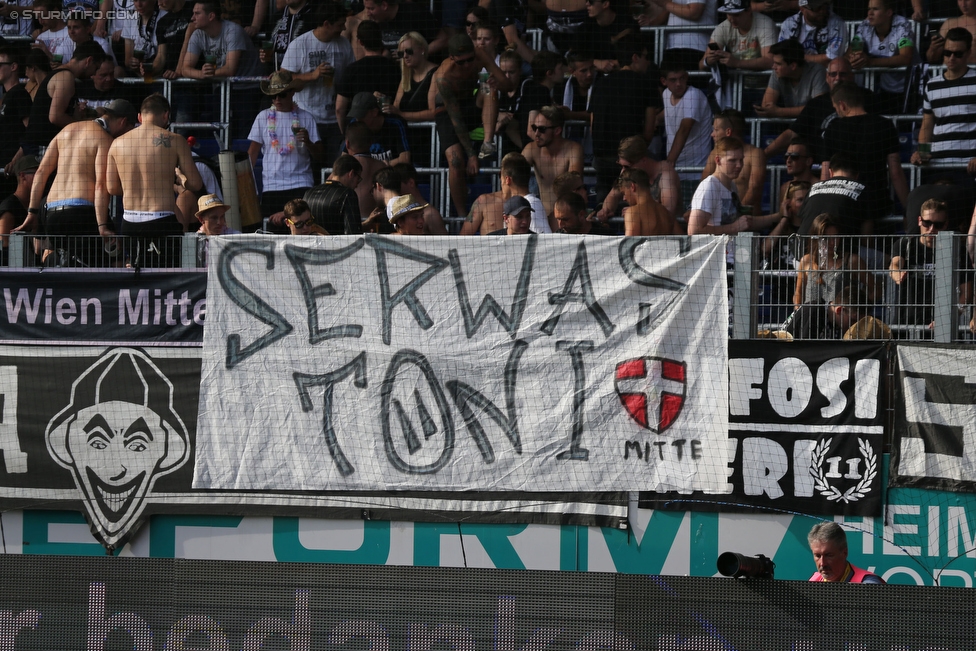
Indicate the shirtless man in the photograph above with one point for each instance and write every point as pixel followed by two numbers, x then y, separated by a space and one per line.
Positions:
pixel 749 183
pixel 458 110
pixel 550 154
pixel 140 168
pixel 665 185
pixel 78 203
pixel 644 216
pixel 358 139
pixel 487 213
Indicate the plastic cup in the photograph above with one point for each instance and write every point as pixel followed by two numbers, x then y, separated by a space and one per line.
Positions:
pixel 298 143
pixel 139 55
pixel 57 58
pixel 925 151
pixel 210 59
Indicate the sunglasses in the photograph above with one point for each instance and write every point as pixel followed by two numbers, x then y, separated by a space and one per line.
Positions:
pixel 538 129
pixel 301 224
pixel 936 226
pixel 795 156
pixel 405 52
pixel 283 95
pixel 464 62
pixel 959 54
pixel 468 23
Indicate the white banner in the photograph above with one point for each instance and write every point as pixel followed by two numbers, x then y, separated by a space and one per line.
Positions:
pixel 556 363
pixel 936 417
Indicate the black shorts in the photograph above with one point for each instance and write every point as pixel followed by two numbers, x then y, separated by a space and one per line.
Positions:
pixel 471 115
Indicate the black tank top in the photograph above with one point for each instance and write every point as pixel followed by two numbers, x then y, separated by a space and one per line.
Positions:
pixel 40 132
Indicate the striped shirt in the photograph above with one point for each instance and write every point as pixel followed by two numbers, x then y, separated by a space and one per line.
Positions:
pixel 953 103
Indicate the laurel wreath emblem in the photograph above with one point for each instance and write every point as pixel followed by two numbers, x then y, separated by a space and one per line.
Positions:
pixel 854 493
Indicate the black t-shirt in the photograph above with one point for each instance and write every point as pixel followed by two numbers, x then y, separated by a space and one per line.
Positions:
pixel 85 90
pixel 869 139
pixel 842 198
pixel 817 115
pixel 14 107
pixel 533 97
pixel 618 103
pixel 171 30
pixel 598 40
pixel 289 27
pixel 370 74
pixel 390 141
pixel 410 17
pixel 14 206
pixel 916 292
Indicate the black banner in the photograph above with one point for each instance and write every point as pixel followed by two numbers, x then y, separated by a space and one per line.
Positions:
pixel 122 307
pixel 130 604
pixel 805 420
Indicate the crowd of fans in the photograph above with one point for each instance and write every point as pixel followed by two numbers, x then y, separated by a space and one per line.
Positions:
pixel 597 136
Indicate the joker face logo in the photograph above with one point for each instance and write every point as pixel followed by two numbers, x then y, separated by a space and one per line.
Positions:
pixel 118 435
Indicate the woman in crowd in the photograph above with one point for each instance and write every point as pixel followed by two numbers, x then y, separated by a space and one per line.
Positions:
pixel 36 68
pixel 780 248
pixel 411 98
pixel 828 266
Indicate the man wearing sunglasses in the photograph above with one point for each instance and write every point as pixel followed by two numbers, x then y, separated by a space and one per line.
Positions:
pixel 911 269
pixel 550 154
pixel 948 110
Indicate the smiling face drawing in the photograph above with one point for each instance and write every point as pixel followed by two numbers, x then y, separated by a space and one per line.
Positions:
pixel 118 435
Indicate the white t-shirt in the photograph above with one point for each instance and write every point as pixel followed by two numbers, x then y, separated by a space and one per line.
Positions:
pixel 715 199
pixel 692 105
pixel 284 167
pixel 902 34
pixel 540 223
pixel 694 40
pixel 58 42
pixel 304 54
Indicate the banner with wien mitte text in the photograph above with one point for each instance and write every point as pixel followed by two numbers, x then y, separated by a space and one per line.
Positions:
pixel 491 364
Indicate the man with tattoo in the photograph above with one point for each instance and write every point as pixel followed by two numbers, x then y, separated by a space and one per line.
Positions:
pixel 140 168
pixel 459 110
pixel 77 203
pixel 665 185
pixel 549 153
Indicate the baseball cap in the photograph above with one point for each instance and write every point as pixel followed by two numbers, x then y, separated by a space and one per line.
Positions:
pixel 362 104
pixel 27 164
pixel 400 206
pixel 814 4
pixel 120 108
pixel 460 44
pixel 732 7
pixel 515 205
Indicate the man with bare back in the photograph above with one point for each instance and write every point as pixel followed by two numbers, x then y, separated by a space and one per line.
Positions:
pixel 550 154
pixel 488 214
pixel 77 204
pixel 141 165
pixel 665 184
pixel 643 216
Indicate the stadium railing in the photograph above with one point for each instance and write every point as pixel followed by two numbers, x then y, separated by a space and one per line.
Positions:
pixel 763 278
